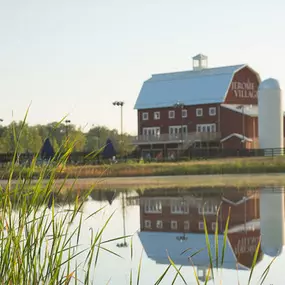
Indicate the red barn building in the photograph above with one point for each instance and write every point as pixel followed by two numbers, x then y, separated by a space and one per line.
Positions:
pixel 205 107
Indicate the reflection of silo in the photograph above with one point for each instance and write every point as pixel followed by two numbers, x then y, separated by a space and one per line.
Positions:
pixel 270 114
pixel 272 220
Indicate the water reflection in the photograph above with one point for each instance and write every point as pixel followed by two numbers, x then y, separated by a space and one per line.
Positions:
pixel 272 220
pixel 171 222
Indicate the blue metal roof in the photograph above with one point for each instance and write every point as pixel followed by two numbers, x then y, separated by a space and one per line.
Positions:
pixel 158 244
pixel 190 87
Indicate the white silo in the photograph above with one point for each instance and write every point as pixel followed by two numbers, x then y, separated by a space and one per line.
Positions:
pixel 272 226
pixel 270 115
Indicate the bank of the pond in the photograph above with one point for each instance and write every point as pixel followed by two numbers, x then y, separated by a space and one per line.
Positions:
pixel 183 181
pixel 217 166
pixel 202 167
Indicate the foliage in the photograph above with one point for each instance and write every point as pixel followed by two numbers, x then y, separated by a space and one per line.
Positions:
pixel 32 137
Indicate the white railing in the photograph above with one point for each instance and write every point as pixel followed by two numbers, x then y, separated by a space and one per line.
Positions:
pixel 177 138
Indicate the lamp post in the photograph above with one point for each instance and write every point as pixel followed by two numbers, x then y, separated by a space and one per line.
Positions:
pixel 66 127
pixel 124 244
pixel 97 135
pixel 121 105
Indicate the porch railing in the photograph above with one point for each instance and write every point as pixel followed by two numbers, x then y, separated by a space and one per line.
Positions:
pixel 178 138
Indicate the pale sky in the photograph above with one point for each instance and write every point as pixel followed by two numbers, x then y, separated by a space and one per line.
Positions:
pixel 77 56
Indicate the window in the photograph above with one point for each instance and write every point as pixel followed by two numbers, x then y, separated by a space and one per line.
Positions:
pixel 156 115
pixel 179 207
pixel 186 225
pixel 147 224
pixel 214 227
pixel 184 113
pixel 145 116
pixel 152 206
pixel 201 226
pixel 154 131
pixel 209 208
pixel 199 112
pixel 171 114
pixel 212 111
pixel 173 225
pixel 206 128
pixel 159 224
pixel 174 131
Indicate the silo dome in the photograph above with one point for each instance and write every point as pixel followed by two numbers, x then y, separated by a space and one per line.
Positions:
pixel 269 83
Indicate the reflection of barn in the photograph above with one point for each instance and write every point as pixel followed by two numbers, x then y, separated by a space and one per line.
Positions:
pixel 169 212
pixel 174 223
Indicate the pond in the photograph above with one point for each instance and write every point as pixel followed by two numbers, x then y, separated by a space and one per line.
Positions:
pixel 167 224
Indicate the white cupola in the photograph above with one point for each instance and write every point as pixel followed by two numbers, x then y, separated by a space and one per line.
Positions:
pixel 200 62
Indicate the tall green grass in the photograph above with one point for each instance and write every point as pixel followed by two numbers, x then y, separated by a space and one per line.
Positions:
pixel 40 242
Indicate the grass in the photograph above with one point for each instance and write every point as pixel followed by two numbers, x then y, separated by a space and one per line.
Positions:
pixel 250 165
pixel 41 243
pixel 217 166
pixel 72 186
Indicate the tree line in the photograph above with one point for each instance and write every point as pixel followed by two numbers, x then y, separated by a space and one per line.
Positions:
pixel 31 138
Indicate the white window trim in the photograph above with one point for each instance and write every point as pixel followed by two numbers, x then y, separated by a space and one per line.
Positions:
pixel 199 114
pixel 174 223
pixel 154 115
pixel 155 204
pixel 171 112
pixel 188 225
pixel 205 207
pixel 143 116
pixel 155 129
pixel 212 109
pixel 201 226
pixel 184 113
pixel 159 224
pixel 206 125
pixel 180 211
pixel 214 226
pixel 147 224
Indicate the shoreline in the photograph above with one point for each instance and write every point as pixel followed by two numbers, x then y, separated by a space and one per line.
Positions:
pixel 183 181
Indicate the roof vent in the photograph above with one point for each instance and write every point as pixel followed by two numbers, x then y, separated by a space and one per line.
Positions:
pixel 200 62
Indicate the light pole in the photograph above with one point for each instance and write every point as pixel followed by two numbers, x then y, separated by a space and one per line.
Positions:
pixel 121 105
pixel 97 134
pixel 66 128
pixel 124 244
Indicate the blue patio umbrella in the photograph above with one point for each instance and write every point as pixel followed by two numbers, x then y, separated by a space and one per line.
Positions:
pixel 47 151
pixel 109 150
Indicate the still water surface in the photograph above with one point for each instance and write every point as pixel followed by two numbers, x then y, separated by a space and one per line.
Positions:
pixel 169 221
